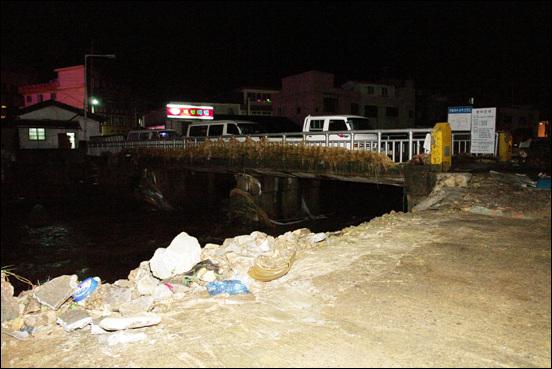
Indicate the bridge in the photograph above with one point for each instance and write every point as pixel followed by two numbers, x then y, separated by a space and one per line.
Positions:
pixel 285 164
pixel 399 145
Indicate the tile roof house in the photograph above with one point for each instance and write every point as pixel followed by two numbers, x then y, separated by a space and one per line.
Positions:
pixel 54 125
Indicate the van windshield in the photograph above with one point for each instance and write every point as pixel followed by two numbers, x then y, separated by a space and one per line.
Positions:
pixel 251 128
pixel 168 135
pixel 360 124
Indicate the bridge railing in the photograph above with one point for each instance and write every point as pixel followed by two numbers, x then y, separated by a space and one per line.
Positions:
pixel 399 144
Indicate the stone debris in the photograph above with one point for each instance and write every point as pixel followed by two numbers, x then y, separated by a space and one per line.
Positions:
pixel 129 321
pixel 181 255
pixel 182 269
pixel 74 319
pixel 55 292
pixel 10 306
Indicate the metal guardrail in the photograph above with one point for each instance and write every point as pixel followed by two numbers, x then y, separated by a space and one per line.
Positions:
pixel 399 144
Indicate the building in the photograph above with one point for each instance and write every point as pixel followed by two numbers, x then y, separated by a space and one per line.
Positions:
pixel 313 93
pixel 53 125
pixel 119 110
pixel 14 75
pixel 387 105
pixel 521 121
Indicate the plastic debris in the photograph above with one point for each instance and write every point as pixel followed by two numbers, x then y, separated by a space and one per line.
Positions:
pixel 231 286
pixel 85 288
pixel 264 274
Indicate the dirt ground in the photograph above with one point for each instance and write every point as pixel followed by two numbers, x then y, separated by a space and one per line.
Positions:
pixel 434 288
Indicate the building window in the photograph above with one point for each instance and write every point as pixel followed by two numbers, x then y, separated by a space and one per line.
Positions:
pixel 370 90
pixel 392 112
pixel 330 103
pixel 53 96
pixel 384 91
pixel 29 99
pixel 37 134
pixel 371 111
pixel 39 98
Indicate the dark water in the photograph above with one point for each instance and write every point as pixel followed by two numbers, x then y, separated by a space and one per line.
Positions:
pixel 106 237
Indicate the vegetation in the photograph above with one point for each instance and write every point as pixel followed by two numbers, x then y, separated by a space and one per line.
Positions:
pixel 263 154
pixel 6 272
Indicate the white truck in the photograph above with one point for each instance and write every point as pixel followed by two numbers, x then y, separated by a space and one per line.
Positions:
pixel 341 125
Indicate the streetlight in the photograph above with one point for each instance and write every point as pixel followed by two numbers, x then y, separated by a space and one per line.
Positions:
pixel 86 56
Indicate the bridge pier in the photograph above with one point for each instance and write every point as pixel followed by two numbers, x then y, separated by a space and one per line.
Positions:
pixel 419 181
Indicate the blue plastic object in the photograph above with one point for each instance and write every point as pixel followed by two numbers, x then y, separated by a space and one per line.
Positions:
pixel 231 286
pixel 84 289
pixel 543 182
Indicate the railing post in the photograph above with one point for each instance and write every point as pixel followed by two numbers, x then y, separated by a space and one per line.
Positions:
pixel 410 144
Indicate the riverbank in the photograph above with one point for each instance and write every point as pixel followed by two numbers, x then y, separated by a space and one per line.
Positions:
pixel 446 286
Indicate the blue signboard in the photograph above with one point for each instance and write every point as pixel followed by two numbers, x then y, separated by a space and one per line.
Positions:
pixel 459 118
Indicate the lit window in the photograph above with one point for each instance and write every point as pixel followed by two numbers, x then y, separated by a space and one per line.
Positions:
pixel 37 134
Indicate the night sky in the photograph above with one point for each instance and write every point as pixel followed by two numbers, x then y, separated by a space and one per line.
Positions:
pixel 178 50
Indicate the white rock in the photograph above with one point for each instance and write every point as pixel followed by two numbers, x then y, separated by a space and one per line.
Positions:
pixel 129 321
pixel 182 254
pixel 162 292
pixel 146 285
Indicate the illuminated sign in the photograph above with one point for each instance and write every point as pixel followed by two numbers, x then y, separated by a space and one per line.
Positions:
pixel 189 111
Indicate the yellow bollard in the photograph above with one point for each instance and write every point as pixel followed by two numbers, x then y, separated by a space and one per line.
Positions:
pixel 504 146
pixel 441 149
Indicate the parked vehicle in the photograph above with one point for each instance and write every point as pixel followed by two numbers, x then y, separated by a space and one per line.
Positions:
pixel 152 135
pixel 220 128
pixel 342 125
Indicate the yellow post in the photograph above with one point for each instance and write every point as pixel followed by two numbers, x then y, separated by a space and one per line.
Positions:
pixel 442 146
pixel 504 146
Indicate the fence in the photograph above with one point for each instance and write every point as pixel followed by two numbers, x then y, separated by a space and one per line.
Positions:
pixel 399 144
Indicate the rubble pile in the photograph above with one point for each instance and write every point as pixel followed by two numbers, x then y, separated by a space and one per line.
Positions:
pixel 181 270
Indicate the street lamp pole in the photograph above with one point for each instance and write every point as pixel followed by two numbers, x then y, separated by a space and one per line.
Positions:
pixel 86 56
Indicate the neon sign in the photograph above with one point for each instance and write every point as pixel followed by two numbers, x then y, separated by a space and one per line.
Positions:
pixel 189 111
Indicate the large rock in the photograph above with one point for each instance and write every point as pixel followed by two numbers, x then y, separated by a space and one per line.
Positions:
pixel 10 306
pixel 55 292
pixel 182 254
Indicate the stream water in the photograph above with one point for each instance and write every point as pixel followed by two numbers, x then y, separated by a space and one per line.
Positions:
pixel 106 237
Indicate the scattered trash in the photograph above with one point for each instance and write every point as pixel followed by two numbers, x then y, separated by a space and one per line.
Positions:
pixel 85 288
pixel 264 274
pixel 517 180
pixel 231 286
pixel 544 183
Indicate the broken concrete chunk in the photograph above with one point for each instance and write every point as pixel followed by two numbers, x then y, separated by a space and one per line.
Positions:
pixel 115 296
pixel 130 321
pixel 74 319
pixel 55 292
pixel 142 304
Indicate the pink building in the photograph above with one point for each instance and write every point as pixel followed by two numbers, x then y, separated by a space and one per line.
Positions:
pixel 68 88
pixel 313 93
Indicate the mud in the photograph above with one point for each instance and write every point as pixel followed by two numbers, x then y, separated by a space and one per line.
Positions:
pixel 434 288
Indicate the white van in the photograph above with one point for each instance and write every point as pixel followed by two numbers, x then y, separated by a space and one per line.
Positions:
pixel 151 135
pixel 216 128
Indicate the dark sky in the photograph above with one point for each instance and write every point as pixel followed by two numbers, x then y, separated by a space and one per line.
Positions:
pixel 170 50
